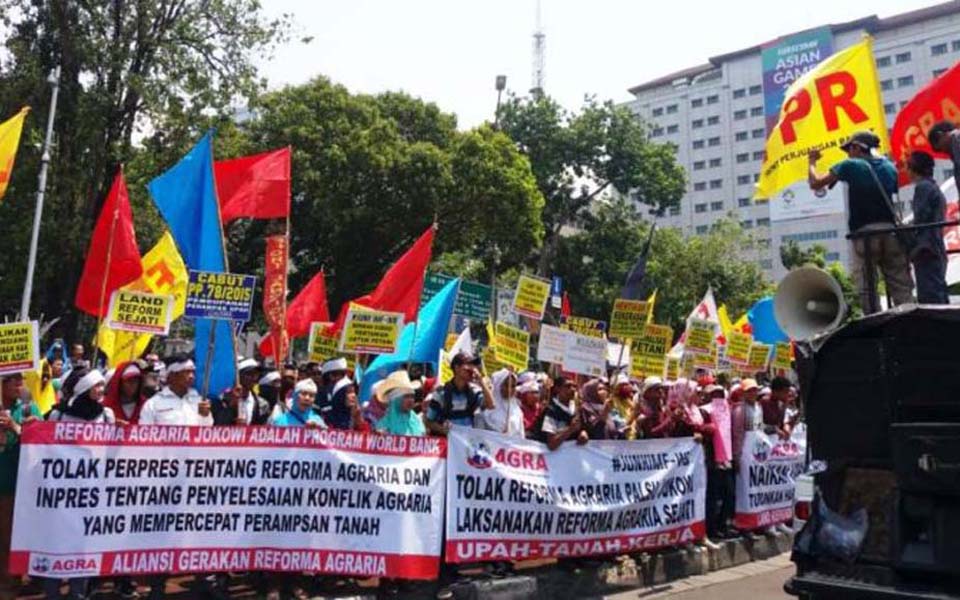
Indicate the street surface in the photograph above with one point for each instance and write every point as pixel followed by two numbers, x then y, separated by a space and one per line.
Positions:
pixel 754 581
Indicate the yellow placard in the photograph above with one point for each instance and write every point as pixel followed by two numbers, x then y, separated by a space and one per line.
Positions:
pixel 648 352
pixel 140 312
pixel 673 368
pixel 759 357
pixel 706 360
pixel 444 371
pixel 701 336
pixel 19 347
pixel 512 346
pixel 628 318
pixel 530 298
pixel 783 356
pixel 583 326
pixel 451 340
pixel 370 331
pixel 738 347
pixel 491 364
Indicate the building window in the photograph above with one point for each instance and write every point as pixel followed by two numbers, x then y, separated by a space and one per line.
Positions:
pixel 939 72
pixel 657 132
pixel 658 112
pixel 741 136
pixel 742 202
pixel 756 111
pixel 716 205
pixel 699 165
pixel 758 155
pixel 758 133
pixel 700 208
pixel 886 85
pixel 832 256
pixel 714 120
pixel 955 45
pixel 696 103
pixel 714 141
pixel 702 229
pixel 739 93
pixel 697 123
pixel 739 115
pixel 903 57
pixel 905 81
pixel 674 211
pixel 698 144
pixel 744 157
pixel 700 186
pixel 673 128
pixel 713 99
pixel 746 224
pixel 890 108
pixel 755 89
pixel 810 236
pixel 883 61
pixel 765 263
pixel 743 179
pixel 716 184
pixel 938 49
pixel 671 109
pixel 716 162
pixel 763 222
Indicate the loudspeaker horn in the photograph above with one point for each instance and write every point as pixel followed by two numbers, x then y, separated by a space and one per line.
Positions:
pixel 808 302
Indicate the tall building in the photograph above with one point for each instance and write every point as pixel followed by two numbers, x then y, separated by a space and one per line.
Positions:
pixel 718 113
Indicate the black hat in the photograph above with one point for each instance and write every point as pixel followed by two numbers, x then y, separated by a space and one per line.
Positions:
pixel 865 139
pixel 464 358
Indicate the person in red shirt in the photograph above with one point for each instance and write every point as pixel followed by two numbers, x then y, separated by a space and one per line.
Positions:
pixel 655 421
pixel 124 394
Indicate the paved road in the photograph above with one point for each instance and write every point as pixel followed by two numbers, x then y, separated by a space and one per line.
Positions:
pixel 753 581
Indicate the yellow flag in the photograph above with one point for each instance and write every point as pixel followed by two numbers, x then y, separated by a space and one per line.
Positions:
pixel 9 142
pixel 740 323
pixel 822 109
pixel 725 325
pixel 43 397
pixel 163 273
pixel 651 302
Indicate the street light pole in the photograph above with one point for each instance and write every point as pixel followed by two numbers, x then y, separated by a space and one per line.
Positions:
pixel 501 85
pixel 54 81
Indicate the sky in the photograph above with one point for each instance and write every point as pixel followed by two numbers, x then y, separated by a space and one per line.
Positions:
pixel 450 51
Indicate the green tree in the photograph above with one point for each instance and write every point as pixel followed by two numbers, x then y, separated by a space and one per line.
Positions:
pixel 580 157
pixel 126 69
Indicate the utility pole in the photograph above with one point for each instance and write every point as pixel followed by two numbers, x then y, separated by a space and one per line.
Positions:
pixel 501 85
pixel 54 81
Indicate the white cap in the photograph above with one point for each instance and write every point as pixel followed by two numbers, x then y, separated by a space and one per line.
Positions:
pixel 269 378
pixel 184 365
pixel 334 364
pixel 305 385
pixel 247 363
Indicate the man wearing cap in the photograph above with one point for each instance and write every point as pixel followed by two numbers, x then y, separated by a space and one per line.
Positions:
pixel 871 184
pixel 747 416
pixel 457 402
pixel 250 409
pixel 178 403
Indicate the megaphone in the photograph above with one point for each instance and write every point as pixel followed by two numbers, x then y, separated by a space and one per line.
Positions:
pixel 808 302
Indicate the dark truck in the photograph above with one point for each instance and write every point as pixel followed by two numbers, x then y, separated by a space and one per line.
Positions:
pixel 882 398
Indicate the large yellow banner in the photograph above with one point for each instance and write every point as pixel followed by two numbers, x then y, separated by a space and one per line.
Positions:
pixel 822 109
pixel 9 142
pixel 163 273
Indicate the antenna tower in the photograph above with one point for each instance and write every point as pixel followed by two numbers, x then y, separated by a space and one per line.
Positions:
pixel 539 44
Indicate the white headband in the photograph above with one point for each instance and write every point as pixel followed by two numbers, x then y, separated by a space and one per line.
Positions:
pixel 184 365
pixel 306 385
pixel 86 383
pixel 336 364
pixel 270 378
pixel 248 363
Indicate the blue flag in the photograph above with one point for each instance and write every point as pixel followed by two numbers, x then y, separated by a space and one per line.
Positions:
pixel 430 332
pixel 186 197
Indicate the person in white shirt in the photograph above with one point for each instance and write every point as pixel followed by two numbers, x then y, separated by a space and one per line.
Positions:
pixel 178 403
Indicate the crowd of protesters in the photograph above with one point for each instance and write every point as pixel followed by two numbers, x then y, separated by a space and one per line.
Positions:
pixel 555 410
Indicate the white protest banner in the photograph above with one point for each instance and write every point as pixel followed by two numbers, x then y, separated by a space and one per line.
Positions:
pixel 552 343
pixel 769 467
pixel 99 500
pixel 513 499
pixel 585 355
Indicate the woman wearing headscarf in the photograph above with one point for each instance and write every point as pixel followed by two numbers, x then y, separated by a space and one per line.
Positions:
pixel 400 418
pixel 657 421
pixel 624 411
pixel 124 395
pixel 596 409
pixel 506 416
pixel 302 412
pixel 344 412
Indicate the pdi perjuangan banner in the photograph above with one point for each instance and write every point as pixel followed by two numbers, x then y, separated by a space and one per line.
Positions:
pixel 767 478
pixel 101 500
pixel 513 499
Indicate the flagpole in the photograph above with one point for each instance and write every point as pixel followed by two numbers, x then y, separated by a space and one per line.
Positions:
pixel 106 273
pixel 54 81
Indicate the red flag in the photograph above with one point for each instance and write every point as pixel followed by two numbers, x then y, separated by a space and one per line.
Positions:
pixel 401 286
pixel 256 186
pixel 309 306
pixel 565 306
pixel 113 259
pixel 275 294
pixel 939 100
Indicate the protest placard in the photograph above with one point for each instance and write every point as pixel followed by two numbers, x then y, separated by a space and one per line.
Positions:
pixel 584 326
pixel 473 299
pixel 512 346
pixel 738 348
pixel 628 318
pixel 140 312
pixel 767 478
pixel 649 351
pixel 783 356
pixel 530 298
pixel 700 335
pixel 514 499
pixel 444 370
pixel 322 345
pixel 705 360
pixel 227 296
pixel 673 368
pixel 98 500
pixel 491 364
pixel 19 347
pixel 368 331
pixel 585 355
pixel 759 357
pixel 552 344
